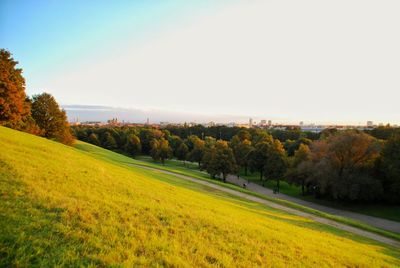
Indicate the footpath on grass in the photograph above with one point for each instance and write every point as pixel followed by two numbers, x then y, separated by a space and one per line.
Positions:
pixel 384 224
pixel 316 218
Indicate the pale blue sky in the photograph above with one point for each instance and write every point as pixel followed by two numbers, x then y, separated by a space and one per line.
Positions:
pixel 289 60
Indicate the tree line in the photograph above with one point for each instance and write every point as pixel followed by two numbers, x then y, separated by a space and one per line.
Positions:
pixel 351 165
pixel 39 115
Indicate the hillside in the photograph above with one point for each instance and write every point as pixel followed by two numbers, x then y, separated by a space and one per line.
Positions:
pixel 63 206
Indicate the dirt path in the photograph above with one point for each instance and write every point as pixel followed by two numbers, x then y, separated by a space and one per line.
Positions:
pixel 335 224
pixel 384 224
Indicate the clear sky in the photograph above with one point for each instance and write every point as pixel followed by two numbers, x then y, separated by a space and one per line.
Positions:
pixel 314 61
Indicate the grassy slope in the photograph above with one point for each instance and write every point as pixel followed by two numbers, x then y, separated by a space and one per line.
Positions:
pixel 61 206
pixel 191 169
pixel 382 211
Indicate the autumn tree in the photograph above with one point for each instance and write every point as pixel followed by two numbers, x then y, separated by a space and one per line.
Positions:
pixel 50 118
pixel 14 107
pixel 343 165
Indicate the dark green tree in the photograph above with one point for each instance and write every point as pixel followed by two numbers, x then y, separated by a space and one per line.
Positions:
pixel 259 157
pixel 276 164
pixel 93 139
pixel 390 169
pixel 51 119
pixel 241 149
pixel 109 141
pixel 175 142
pixel 133 145
pixel 147 135
pixel 300 167
pixel 182 152
pixel 160 150
pixel 218 159
pixel 196 154
pixel 165 151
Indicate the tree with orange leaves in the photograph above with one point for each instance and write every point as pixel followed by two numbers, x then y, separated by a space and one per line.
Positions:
pixel 14 107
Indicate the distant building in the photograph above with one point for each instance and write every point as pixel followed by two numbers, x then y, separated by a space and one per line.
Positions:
pixel 163 124
pixel 250 122
pixel 113 121
pixel 263 122
pixel 370 124
pixel 301 123
pixel 269 123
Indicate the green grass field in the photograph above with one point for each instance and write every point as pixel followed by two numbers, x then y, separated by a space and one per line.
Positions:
pixel 84 206
pixel 382 211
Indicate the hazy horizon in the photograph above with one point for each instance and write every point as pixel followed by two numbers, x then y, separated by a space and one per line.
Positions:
pixel 84 113
pixel 288 61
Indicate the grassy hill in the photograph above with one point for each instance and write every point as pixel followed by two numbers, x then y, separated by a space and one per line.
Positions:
pixel 64 206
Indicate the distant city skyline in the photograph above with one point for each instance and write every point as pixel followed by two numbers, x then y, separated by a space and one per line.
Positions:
pixel 314 61
pixel 82 113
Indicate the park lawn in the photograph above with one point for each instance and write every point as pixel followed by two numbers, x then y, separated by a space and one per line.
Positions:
pixel 192 170
pixel 390 212
pixel 61 206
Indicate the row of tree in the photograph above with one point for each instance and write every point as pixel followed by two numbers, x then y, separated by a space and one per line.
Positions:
pixel 340 165
pixel 348 165
pixel 39 115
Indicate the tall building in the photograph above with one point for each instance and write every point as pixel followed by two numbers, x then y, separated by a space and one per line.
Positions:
pixel 301 123
pixel 269 123
pixel 263 122
pixel 250 122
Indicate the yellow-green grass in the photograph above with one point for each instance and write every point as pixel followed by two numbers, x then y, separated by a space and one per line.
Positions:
pixel 62 206
pixel 191 169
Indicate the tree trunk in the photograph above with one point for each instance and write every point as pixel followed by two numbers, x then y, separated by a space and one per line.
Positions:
pixel 302 187
pixel 245 170
pixel 277 185
pixel 261 175
pixel 224 177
